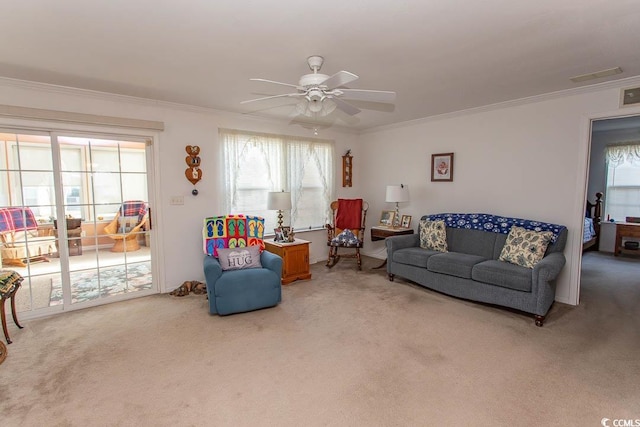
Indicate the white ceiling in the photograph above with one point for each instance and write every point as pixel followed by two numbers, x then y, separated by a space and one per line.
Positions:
pixel 438 55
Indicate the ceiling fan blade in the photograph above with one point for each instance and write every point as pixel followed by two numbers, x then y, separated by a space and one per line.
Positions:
pixel 347 108
pixel 369 95
pixel 275 82
pixel 340 78
pixel 272 97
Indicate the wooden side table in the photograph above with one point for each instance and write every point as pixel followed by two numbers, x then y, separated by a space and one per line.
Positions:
pixel 10 282
pixel 295 259
pixel 381 232
pixel 626 229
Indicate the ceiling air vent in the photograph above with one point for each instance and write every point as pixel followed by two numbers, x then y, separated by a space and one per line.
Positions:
pixel 630 96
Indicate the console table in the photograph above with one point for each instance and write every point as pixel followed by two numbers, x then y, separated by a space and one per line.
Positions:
pixel 10 282
pixel 381 232
pixel 626 229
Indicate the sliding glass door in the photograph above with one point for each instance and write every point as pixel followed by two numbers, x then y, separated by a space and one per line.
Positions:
pixel 79 208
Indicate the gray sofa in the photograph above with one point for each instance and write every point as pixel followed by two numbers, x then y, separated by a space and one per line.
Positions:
pixel 471 269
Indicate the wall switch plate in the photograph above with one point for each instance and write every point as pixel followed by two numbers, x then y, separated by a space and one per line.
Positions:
pixel 177 200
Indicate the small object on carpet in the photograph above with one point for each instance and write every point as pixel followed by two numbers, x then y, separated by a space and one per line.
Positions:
pixel 193 286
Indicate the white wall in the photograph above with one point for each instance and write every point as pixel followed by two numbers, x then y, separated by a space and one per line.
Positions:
pixel 523 159
pixel 178 228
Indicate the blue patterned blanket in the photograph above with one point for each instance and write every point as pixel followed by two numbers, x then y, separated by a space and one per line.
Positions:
pixel 493 223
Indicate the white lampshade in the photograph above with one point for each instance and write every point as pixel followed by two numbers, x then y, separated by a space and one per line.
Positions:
pixel 279 200
pixel 397 193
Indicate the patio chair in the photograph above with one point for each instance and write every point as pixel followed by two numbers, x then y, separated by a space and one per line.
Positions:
pixel 128 224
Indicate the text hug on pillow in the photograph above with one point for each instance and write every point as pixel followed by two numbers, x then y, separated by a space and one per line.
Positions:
pixel 239 258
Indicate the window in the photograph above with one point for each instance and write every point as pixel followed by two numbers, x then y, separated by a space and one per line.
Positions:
pixel 255 164
pixel 622 198
pixel 96 175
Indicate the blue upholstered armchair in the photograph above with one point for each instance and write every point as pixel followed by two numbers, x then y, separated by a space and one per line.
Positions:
pixel 242 289
pixel 237 291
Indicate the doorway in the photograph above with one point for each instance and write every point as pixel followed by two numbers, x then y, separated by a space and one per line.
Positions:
pixel 76 221
pixel 607 131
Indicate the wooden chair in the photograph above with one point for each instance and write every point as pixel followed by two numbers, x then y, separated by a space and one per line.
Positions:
pixel 346 229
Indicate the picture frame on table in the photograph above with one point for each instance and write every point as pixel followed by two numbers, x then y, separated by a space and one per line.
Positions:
pixel 406 221
pixel 279 235
pixel 286 233
pixel 387 218
pixel 442 167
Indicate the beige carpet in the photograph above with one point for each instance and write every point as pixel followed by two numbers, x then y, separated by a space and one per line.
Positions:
pixel 346 348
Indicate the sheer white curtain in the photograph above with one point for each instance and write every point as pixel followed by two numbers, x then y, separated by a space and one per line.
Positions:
pixel 311 175
pixel 256 163
pixel 616 155
pixel 622 197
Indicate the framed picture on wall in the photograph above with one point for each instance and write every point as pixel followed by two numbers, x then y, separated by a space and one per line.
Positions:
pixel 442 167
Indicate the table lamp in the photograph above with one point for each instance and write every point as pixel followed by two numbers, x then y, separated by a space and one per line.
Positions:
pixel 279 201
pixel 397 194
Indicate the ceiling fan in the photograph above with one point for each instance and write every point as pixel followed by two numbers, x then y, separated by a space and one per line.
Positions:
pixel 320 94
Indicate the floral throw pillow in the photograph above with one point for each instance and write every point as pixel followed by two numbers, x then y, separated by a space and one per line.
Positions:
pixel 433 235
pixel 525 247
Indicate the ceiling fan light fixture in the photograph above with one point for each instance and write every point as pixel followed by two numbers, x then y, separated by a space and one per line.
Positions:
pixel 315 108
pixel 320 94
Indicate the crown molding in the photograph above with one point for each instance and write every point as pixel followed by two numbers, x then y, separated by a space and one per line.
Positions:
pixel 108 96
pixel 619 83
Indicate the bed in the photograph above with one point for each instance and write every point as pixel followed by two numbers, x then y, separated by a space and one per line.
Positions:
pixel 591 231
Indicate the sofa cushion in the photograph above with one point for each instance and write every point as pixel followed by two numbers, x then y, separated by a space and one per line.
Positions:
pixel 453 263
pixel 524 247
pixel 413 256
pixel 127 223
pixel 503 274
pixel 472 242
pixel 433 235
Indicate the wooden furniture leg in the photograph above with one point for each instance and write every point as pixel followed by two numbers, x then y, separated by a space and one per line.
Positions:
pixel 3 315
pixel 3 352
pixel 4 324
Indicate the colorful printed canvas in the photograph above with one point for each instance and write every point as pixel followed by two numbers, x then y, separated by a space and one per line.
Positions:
pixel 232 231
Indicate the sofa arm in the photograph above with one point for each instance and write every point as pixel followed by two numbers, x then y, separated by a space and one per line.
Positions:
pixel 549 267
pixel 212 270
pixel 400 242
pixel 272 262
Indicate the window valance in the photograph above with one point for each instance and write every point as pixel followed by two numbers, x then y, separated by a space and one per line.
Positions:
pixel 619 154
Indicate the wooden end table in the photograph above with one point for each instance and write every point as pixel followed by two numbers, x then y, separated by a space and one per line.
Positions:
pixel 295 259
pixel 381 232
pixel 627 230
pixel 10 282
